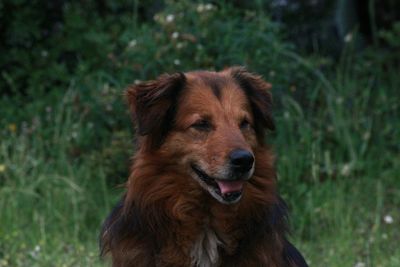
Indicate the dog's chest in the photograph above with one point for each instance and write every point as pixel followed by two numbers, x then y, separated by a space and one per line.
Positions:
pixel 204 252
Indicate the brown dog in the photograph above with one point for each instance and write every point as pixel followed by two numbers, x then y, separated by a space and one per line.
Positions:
pixel 202 190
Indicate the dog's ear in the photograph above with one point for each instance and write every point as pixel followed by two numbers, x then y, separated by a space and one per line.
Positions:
pixel 153 105
pixel 258 92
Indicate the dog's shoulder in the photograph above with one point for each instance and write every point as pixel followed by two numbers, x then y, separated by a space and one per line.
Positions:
pixel 119 226
pixel 110 228
pixel 292 256
pixel 279 218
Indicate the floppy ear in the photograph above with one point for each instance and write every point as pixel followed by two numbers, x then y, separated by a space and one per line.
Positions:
pixel 258 92
pixel 153 106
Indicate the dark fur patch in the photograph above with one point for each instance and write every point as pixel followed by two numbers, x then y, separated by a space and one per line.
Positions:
pixel 216 83
pixel 292 256
pixel 153 106
pixel 123 226
pixel 259 95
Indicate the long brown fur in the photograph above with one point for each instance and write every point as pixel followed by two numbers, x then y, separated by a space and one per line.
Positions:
pixel 165 211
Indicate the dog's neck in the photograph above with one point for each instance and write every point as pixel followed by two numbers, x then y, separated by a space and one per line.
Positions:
pixel 198 229
pixel 204 251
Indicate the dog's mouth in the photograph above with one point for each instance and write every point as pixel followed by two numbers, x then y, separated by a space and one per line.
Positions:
pixel 225 191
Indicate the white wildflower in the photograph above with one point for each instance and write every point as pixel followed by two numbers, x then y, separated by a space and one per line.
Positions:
pixel 388 219
pixel 74 135
pixel 157 17
pixel 339 100
pixel 208 6
pixel 170 18
pixel 175 35
pixel 177 62
pixel 35 252
pixel 132 43
pixel 286 115
pixel 200 8
pixel 44 53
pixel 359 264
pixel 345 171
pixel 348 38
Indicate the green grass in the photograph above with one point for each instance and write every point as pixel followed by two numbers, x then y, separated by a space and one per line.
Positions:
pixel 50 206
pixel 337 170
pixel 64 152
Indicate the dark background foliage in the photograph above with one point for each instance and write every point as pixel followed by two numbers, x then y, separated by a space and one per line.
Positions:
pixel 65 131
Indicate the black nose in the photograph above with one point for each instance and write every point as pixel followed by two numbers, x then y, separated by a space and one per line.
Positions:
pixel 241 160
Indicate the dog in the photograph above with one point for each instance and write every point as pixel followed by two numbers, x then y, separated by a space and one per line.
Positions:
pixel 202 188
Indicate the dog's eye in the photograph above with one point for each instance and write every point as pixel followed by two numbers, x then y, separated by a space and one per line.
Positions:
pixel 245 124
pixel 201 125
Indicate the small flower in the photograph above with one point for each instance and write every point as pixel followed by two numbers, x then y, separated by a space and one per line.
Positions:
pixel 35 252
pixel 388 219
pixel 177 62
pixel 74 135
pixel 339 100
pixel 179 45
pixel 345 171
pixel 348 38
pixel 132 43
pixel 200 8
pixel 2 168
pixel 157 17
pixel 286 115
pixel 170 18
pixel 137 81
pixel 208 6
pixel 359 264
pixel 175 35
pixel 44 53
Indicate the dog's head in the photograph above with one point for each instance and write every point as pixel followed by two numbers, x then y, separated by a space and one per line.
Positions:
pixel 209 125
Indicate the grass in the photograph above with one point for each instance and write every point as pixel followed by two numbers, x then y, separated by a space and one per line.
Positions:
pixel 337 170
pixel 64 152
pixel 50 205
pixel 342 208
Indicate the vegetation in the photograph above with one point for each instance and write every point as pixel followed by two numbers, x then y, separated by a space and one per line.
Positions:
pixel 66 135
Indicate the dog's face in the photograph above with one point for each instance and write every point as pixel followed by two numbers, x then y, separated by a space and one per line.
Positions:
pixel 209 123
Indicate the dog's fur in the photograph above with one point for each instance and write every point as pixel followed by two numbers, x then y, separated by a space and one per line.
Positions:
pixel 169 216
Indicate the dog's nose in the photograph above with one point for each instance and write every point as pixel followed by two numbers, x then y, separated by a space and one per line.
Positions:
pixel 241 160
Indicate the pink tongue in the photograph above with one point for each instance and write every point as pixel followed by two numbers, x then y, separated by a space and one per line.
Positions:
pixel 229 187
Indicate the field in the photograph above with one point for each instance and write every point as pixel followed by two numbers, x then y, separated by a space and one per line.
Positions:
pixel 66 136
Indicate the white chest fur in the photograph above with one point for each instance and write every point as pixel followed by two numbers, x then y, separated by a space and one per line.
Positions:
pixel 204 252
